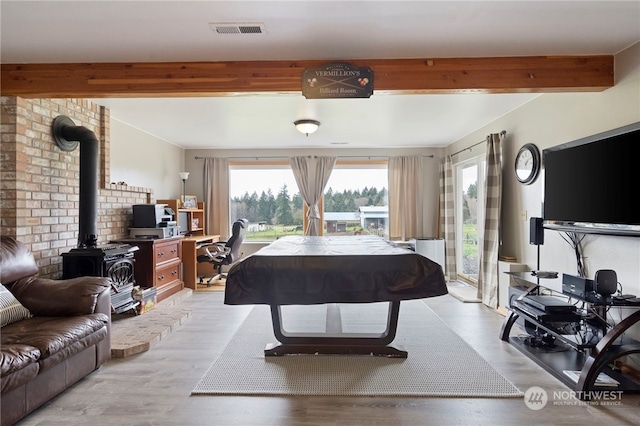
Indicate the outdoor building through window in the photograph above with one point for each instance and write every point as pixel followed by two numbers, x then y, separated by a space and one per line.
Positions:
pixel 266 194
pixel 356 199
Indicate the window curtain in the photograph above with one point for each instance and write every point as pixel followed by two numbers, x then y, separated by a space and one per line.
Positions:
pixel 216 194
pixel 312 175
pixel 488 273
pixel 447 217
pixel 405 198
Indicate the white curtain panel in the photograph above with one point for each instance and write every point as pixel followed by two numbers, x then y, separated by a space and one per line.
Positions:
pixel 312 175
pixel 405 197
pixel 488 274
pixel 216 193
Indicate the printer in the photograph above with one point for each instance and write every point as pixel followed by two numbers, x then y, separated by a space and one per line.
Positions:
pixel 153 221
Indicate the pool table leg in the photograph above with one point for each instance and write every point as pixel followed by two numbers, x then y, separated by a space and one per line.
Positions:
pixel 334 341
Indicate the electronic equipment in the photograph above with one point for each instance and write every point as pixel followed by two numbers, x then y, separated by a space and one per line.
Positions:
pixel 150 215
pixel 588 182
pixel 576 286
pixel 167 223
pixel 514 293
pixel 153 233
pixel 549 304
pixel 536 231
pixel 543 340
pixel 606 282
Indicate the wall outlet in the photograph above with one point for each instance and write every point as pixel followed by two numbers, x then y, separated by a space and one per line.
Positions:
pixel 523 215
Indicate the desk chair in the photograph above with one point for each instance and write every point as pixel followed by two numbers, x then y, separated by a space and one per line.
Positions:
pixel 224 252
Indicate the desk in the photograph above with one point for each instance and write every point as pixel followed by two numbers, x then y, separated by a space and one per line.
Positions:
pixel 297 270
pixel 190 255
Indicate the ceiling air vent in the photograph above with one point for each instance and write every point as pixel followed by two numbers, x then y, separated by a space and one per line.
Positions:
pixel 237 28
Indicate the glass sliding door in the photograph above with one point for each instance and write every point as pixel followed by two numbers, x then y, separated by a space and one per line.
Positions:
pixel 469 217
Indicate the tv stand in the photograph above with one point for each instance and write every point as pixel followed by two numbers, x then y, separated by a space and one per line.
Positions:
pixel 590 352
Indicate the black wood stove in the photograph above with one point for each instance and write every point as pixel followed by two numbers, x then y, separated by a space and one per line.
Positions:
pixel 113 261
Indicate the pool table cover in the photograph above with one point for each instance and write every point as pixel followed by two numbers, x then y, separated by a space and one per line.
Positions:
pixel 304 270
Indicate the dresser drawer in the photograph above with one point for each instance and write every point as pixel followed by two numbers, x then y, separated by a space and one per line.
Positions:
pixel 166 252
pixel 168 273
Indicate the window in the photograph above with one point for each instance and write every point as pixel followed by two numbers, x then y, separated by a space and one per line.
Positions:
pixel 356 199
pixel 266 193
pixel 469 217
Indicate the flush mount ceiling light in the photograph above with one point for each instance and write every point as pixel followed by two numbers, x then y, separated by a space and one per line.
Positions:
pixel 307 126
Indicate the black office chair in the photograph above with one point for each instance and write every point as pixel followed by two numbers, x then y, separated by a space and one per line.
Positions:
pixel 224 252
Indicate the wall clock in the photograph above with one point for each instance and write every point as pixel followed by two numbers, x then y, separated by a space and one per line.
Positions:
pixel 527 164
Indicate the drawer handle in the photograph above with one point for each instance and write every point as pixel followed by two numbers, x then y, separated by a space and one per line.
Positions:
pixel 160 278
pixel 160 254
pixel 174 273
pixel 174 251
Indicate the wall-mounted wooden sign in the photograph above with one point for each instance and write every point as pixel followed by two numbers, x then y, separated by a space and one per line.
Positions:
pixel 337 81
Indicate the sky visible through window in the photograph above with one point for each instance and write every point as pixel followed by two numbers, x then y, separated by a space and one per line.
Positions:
pixel 243 181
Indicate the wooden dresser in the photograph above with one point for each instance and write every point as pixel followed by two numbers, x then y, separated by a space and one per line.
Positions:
pixel 159 264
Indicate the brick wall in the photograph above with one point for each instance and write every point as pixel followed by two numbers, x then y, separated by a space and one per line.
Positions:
pixel 39 183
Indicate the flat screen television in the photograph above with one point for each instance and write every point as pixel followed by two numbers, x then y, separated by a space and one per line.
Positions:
pixel 592 185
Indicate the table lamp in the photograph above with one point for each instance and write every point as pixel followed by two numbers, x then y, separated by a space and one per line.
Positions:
pixel 184 176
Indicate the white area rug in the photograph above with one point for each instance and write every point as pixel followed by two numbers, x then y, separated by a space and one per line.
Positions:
pixel 439 364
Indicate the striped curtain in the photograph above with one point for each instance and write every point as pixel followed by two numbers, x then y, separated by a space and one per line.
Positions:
pixel 447 227
pixel 216 197
pixel 488 274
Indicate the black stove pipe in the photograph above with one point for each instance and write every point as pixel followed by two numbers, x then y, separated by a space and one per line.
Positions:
pixel 67 136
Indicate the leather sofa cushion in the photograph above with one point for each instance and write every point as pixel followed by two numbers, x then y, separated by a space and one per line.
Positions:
pixel 16 357
pixel 72 349
pixel 53 334
pixel 18 365
pixel 49 298
pixel 16 260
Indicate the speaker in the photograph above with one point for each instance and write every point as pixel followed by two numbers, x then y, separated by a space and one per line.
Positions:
pixel 606 282
pixel 536 231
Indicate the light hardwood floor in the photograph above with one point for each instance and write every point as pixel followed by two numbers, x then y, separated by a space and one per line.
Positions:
pixel 153 388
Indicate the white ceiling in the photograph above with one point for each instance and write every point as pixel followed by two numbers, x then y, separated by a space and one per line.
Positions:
pixel 159 31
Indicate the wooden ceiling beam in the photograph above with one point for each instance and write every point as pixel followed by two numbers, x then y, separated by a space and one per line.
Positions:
pixel 532 74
